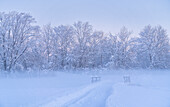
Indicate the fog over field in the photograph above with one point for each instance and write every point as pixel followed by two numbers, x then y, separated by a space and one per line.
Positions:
pixel 88 53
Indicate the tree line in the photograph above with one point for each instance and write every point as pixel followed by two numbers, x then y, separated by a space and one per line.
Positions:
pixel 25 45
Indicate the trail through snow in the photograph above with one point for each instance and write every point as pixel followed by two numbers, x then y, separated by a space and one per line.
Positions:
pixel 94 95
pixel 75 90
pixel 142 92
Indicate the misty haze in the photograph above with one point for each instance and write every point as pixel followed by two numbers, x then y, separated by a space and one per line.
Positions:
pixel 84 53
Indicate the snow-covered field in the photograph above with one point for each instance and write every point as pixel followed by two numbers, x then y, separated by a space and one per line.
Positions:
pixel 146 89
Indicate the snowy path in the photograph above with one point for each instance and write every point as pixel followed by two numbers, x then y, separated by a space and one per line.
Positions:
pixel 95 98
pixel 64 90
pixel 94 95
pixel 110 94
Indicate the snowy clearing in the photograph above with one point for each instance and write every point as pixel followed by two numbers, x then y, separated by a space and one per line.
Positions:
pixel 147 89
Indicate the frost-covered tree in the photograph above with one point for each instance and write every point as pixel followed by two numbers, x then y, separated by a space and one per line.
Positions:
pixel 25 46
pixel 34 56
pixel 153 47
pixel 16 31
pixel 83 32
pixel 95 51
pixel 105 50
pixel 121 49
pixel 63 45
pixel 47 39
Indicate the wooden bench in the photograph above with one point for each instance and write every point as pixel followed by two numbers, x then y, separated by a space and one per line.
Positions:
pixel 95 79
pixel 126 79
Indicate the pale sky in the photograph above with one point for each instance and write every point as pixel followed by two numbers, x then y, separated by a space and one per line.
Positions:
pixel 105 15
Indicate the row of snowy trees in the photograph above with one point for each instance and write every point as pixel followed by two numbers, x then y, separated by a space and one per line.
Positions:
pixel 23 46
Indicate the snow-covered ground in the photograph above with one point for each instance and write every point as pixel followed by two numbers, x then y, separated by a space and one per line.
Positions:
pixel 147 89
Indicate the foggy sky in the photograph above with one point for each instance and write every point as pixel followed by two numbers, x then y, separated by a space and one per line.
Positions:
pixel 105 15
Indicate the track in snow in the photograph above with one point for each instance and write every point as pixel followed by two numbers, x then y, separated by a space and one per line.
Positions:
pixel 94 95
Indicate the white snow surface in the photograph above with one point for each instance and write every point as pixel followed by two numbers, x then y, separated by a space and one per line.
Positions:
pixel 146 89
